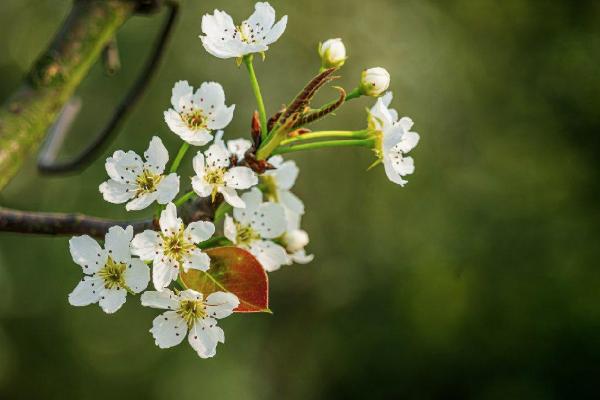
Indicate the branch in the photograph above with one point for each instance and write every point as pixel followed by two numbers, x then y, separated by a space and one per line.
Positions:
pixel 27 115
pixel 45 223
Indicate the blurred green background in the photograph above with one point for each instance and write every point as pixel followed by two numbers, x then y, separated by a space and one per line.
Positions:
pixel 480 279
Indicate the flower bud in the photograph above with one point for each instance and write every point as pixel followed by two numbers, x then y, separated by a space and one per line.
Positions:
pixel 333 53
pixel 295 240
pixel 374 81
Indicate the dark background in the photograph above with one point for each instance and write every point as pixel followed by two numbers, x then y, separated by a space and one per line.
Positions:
pixel 480 279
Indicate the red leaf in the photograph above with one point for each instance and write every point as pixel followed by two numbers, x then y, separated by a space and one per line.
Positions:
pixel 233 270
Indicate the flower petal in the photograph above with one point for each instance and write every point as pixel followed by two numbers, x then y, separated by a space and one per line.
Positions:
pixel 167 188
pixel 201 187
pixel 169 223
pixel 196 259
pixel 276 31
pixel 116 242
pixel 221 304
pixel 164 271
pixel 229 229
pixel 271 256
pixel 290 201
pixel 204 337
pixel 217 156
pixel 221 117
pixel 117 192
pixel 240 178
pixel 112 299
pixel 142 201
pixel 168 329
pixel 137 275
pixel 231 197
pixel 239 147
pixel 285 175
pixel 87 253
pixel 269 220
pixel 123 166
pixel 199 231
pixel 146 245
pixel 156 156
pixel 164 299
pixel 180 89
pixel 252 199
pixel 87 291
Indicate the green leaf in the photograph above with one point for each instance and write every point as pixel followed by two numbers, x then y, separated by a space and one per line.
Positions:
pixel 233 270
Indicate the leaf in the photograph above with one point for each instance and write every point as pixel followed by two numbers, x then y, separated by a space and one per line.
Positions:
pixel 233 270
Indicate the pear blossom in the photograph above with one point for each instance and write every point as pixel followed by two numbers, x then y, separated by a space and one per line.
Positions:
pixel 332 53
pixel 110 272
pixel 295 239
pixel 395 139
pixel 195 114
pixel 374 81
pixel 174 247
pixel 278 182
pixel 254 227
pixel 137 182
pixel 223 39
pixel 189 313
pixel 236 147
pixel 214 174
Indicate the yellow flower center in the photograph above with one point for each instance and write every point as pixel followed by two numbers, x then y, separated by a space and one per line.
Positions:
pixel 147 182
pixel 177 245
pixel 191 311
pixel 195 120
pixel 245 234
pixel 113 274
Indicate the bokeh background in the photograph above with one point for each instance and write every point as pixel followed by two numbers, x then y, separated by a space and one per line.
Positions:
pixel 480 279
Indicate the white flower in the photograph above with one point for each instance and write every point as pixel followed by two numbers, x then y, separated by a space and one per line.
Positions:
pixel 395 139
pixel 192 315
pixel 333 53
pixel 139 183
pixel 195 115
pixel 214 174
pixel 279 181
pixel 239 147
pixel 173 248
pixel 255 226
pixel 110 272
pixel 295 239
pixel 374 81
pixel 224 39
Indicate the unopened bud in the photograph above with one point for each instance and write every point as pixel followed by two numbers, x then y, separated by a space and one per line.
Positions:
pixel 333 53
pixel 374 81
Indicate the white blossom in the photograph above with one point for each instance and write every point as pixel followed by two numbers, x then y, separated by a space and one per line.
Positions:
pixel 395 139
pixel 192 315
pixel 295 239
pixel 278 182
pixel 333 53
pixel 254 227
pixel 195 115
pixel 223 39
pixel 110 272
pixel 214 174
pixel 137 182
pixel 174 247
pixel 374 81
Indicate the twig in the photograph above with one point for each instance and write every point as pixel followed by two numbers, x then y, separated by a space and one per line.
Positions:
pixel 49 165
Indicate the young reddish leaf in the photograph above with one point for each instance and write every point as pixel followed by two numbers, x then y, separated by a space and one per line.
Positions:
pixel 233 270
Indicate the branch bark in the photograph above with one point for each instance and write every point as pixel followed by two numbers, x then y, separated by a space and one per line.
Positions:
pixel 45 223
pixel 26 116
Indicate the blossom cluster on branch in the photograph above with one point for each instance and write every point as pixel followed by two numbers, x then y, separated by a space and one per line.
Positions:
pixel 199 277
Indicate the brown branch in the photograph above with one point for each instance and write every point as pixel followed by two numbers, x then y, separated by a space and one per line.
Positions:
pixel 323 111
pixel 45 223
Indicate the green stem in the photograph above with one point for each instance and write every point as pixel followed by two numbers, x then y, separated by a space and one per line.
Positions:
pixel 182 150
pixel 330 143
pixel 363 134
pixel 214 242
pixel 184 198
pixel 355 93
pixel 256 89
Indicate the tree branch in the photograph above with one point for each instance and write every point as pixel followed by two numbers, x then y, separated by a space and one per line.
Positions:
pixel 27 115
pixel 46 223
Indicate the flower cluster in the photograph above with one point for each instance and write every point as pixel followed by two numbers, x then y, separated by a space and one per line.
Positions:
pixel 245 184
